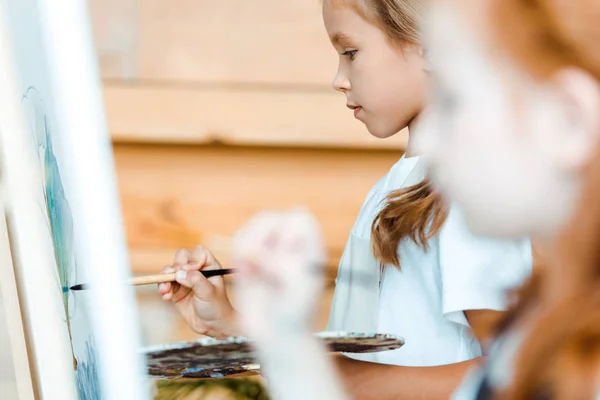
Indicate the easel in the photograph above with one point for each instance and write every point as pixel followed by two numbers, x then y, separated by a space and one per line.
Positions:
pixel 37 339
pixel 35 311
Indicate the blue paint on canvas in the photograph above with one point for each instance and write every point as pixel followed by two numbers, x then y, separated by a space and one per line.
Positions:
pixel 61 227
pixel 88 385
pixel 61 220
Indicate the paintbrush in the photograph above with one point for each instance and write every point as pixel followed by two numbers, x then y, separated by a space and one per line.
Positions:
pixel 161 278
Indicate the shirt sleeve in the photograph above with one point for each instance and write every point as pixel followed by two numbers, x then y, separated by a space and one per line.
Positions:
pixel 477 272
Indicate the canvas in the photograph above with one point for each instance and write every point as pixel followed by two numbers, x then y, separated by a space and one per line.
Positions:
pixel 65 140
pixel 54 206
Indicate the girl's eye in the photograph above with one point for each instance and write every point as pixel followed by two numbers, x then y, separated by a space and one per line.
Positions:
pixel 350 54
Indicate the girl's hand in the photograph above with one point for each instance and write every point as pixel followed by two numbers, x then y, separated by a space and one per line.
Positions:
pixel 202 302
pixel 279 255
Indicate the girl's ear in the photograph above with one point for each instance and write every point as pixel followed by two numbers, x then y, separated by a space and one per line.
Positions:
pixel 579 93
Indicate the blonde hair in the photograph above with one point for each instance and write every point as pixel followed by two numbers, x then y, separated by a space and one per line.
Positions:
pixel 399 19
pixel 417 212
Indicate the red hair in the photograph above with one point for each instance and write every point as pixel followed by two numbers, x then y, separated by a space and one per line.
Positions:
pixel 561 353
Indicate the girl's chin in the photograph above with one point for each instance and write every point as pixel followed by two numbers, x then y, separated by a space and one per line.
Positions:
pixel 380 133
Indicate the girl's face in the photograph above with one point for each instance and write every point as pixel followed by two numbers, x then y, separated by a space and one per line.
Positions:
pixel 503 146
pixel 384 83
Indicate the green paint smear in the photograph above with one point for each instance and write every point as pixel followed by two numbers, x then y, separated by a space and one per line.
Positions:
pixel 189 389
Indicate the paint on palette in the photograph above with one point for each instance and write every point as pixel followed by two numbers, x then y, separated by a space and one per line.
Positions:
pixel 60 218
pixel 212 358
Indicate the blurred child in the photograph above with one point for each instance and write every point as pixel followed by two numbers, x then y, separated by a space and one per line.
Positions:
pixel 512 135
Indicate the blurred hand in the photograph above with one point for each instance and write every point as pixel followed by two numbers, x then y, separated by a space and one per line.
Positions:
pixel 279 255
pixel 202 302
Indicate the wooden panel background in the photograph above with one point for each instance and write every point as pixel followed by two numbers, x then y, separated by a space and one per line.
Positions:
pixel 246 117
pixel 220 109
pixel 226 41
pixel 178 195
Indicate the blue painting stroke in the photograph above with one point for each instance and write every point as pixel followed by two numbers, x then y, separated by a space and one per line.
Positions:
pixel 61 227
pixel 88 384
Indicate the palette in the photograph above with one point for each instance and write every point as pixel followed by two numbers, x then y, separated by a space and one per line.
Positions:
pixel 212 358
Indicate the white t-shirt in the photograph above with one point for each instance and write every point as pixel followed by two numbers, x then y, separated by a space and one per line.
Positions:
pixel 424 300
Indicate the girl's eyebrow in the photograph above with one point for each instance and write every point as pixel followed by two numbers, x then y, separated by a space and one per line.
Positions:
pixel 341 39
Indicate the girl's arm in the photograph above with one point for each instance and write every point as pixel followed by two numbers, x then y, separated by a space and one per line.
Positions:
pixel 380 381
pixel 368 381
pixel 314 378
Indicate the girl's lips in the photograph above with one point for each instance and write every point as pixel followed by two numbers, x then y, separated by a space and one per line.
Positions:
pixel 356 109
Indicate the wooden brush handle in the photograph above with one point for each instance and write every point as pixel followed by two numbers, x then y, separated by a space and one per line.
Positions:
pixel 162 278
pixel 152 279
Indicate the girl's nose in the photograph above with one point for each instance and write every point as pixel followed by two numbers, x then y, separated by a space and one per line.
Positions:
pixel 340 82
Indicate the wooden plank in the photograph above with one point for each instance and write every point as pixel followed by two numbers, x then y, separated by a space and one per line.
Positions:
pixel 175 196
pixel 260 41
pixel 171 114
pixel 116 31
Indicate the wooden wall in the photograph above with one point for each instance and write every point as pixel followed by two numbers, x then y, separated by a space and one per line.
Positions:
pixel 219 109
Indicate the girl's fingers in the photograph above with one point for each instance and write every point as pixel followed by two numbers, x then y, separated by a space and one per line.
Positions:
pixel 279 247
pixel 195 280
pixel 195 266
pixel 168 270
pixel 257 236
pixel 254 273
pixel 164 288
pixel 246 268
pixel 182 257
pixel 200 258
